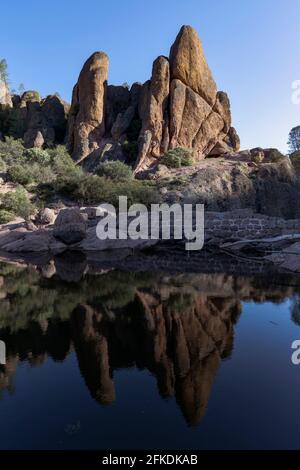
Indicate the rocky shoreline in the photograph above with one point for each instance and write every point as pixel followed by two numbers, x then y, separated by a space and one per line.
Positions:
pixel 241 234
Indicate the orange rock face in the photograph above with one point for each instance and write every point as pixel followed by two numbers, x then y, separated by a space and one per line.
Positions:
pixel 179 107
pixel 87 126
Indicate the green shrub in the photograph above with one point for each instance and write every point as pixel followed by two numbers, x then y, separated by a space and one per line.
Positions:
pixel 68 184
pixel 16 124
pixel 139 192
pixel 116 171
pixel 178 157
pixel 20 174
pixel 39 156
pixel 62 163
pixel 12 151
pixel 186 158
pixel 18 203
pixel 12 122
pixel 295 159
pixel 54 172
pixel 4 118
pixel 94 189
pixel 31 95
pixel 130 150
pixel 90 189
pixel 42 174
pixel 6 216
pixel 274 155
pixel 2 165
pixel 171 160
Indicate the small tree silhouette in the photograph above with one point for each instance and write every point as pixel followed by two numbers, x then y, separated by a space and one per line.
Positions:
pixel 294 140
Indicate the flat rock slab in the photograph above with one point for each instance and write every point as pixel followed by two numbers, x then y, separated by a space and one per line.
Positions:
pixel 93 243
pixel 24 241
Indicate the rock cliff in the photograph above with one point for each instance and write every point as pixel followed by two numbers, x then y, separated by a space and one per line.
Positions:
pixel 39 122
pixel 179 106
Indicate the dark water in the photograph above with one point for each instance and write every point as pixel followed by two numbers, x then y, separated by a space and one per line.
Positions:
pixel 124 360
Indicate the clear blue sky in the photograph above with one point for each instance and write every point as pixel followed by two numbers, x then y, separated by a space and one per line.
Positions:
pixel 252 47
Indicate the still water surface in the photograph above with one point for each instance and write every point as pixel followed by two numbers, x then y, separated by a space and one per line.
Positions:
pixel 134 360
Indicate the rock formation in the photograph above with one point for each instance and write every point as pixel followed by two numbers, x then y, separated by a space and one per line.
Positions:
pixel 45 121
pixel 179 107
pixel 70 226
pixel 87 125
pixel 40 122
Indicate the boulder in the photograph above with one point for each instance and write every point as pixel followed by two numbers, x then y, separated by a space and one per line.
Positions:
pixel 162 171
pixel 245 154
pixel 54 112
pixel 29 96
pixel 230 144
pixel 222 107
pixel 93 243
pixel 30 242
pixel 232 139
pixel 31 227
pixel 33 138
pixel 48 270
pixel 70 226
pixel 9 235
pixel 39 122
pixel 46 216
pixel 257 155
pixel 221 148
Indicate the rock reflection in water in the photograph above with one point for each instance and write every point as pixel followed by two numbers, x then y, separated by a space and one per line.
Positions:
pixel 178 327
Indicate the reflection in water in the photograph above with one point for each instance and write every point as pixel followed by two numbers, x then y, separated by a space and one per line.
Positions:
pixel 178 327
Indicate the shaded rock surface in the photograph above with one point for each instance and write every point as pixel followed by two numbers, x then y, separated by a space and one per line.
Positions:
pixel 46 216
pixel 40 122
pixel 70 226
pixel 233 182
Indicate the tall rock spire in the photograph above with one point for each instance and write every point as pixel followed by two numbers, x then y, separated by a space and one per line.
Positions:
pixel 86 125
pixel 188 64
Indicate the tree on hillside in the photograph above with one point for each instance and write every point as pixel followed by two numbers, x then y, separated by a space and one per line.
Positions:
pixel 294 140
pixel 3 71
